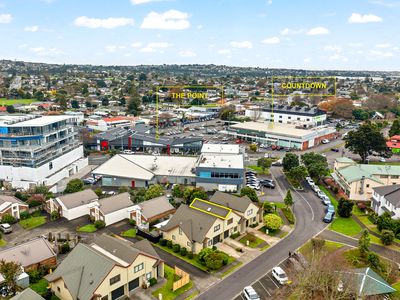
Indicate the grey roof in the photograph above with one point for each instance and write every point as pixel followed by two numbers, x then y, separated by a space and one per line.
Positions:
pixel 208 207
pixel 156 206
pixel 12 199
pixel 82 270
pixel 114 203
pixel 195 224
pixel 234 202
pixel 390 192
pixel 78 199
pixel 123 249
pixel 294 110
pixel 163 140
pixel 27 294
pixel 113 133
pixel 29 253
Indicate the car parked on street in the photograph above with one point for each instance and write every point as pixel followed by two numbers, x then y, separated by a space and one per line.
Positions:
pixel 328 217
pixel 280 275
pixel 335 149
pixel 5 228
pixel 250 294
pixel 330 208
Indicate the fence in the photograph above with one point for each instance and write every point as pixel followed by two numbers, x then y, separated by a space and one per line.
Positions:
pixel 184 279
pixel 153 236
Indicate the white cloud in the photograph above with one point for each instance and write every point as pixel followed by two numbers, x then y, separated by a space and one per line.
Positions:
pixel 272 40
pixel 386 3
pixel 31 28
pixel 334 57
pixel 23 46
pixel 5 18
pixel 224 51
pixel 158 45
pixel 148 50
pixel 386 45
pixel 318 31
pixel 169 20
pixel 288 31
pixel 43 51
pixel 355 44
pixel 368 18
pixel 187 53
pixel 380 54
pixel 307 60
pixel 110 48
pixel 137 2
pixel 200 26
pixel 333 48
pixel 269 2
pixel 242 44
pixel 108 23
pixel 136 45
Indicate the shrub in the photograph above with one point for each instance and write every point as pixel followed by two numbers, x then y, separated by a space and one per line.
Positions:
pixel 34 276
pixel 387 237
pixel 34 203
pixel 214 260
pixel 251 238
pixel 317 244
pixel 345 208
pixel 176 248
pixel 373 217
pixel 1 235
pixel 225 259
pixel 235 235
pixel 268 208
pixel 254 225
pixel 54 215
pixel 190 255
pixel 98 191
pixel 8 219
pixel 73 186
pixel 21 196
pixel 203 254
pixel 170 244
pixel 273 222
pixel 132 222
pixel 288 214
pixel 99 224
pixel 122 189
pixel 152 281
pixel 36 213
pixel 24 215
pixel 183 251
pixel 163 242
pixel 64 248
pixel 373 261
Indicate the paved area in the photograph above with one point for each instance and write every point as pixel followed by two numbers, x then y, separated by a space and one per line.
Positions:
pixel 62 184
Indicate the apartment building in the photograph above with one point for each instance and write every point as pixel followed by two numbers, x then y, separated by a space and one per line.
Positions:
pixel 36 150
pixel 359 180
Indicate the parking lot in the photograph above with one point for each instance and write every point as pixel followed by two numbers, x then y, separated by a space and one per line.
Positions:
pixel 266 286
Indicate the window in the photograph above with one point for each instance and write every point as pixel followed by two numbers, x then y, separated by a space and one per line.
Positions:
pixel 395 176
pixel 138 268
pixel 308 119
pixel 235 229
pixel 50 165
pixel 148 275
pixel 115 279
pixel 367 185
pixel 249 212
pixel 230 221
pixel 384 176
pixel 217 227
pixel 210 243
pixel 289 118
pixel 180 231
pixel 58 289
pixel 173 237
pixel 280 117
pixel 298 119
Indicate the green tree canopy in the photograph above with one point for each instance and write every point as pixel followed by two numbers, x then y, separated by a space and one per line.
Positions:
pixel 395 128
pixel 290 160
pixel 249 192
pixel 364 242
pixel 264 163
pixel 273 222
pixel 345 208
pixel 74 185
pixel 288 199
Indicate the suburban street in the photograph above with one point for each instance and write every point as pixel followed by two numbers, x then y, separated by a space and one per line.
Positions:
pixel 309 212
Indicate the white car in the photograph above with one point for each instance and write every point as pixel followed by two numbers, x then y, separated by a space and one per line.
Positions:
pixel 280 275
pixel 253 186
pixel 382 159
pixel 325 141
pixel 250 294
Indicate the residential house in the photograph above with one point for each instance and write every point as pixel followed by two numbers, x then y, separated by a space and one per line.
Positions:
pixel 202 224
pixel 27 294
pixel 12 206
pixel 31 254
pixel 107 269
pixel 249 211
pixel 394 144
pixel 358 180
pixel 151 211
pixel 387 199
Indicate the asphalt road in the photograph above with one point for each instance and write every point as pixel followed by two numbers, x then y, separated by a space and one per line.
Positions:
pixel 308 210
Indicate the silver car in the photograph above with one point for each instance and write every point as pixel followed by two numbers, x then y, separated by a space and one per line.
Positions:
pixel 5 228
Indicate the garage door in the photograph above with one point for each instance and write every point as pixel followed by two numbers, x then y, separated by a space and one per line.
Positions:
pixel 226 234
pixel 133 284
pixel 216 239
pixel 119 292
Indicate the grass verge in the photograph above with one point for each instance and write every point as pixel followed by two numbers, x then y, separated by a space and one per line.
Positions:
pixel 87 228
pixel 230 270
pixel 33 222
pixel 166 289
pixel 346 226
pixel 129 233
pixel 40 287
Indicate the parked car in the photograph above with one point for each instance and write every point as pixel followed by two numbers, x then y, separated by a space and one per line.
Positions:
pixel 250 294
pixel 280 275
pixel 335 149
pixel 330 208
pixel 321 194
pixel 316 189
pixel 382 159
pixel 328 217
pixel 253 186
pixel 268 184
pixel 89 180
pixel 326 201
pixel 310 181
pixel 5 228
pixel 277 163
pixel 127 152
pixel 325 141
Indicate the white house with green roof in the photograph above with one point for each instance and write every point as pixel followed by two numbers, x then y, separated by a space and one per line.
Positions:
pixel 358 180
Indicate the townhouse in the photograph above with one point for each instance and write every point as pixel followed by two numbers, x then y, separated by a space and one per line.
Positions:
pixel 12 206
pixel 387 199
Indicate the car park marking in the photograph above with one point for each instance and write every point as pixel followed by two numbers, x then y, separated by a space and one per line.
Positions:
pixel 269 294
pixel 272 279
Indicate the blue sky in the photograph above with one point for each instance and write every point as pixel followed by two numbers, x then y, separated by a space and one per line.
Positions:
pixel 309 34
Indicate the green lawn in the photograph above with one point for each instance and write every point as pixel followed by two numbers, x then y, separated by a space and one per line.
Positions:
pixel 33 222
pixel 4 101
pixel 253 241
pixel 328 193
pixel 329 246
pixel 278 204
pixel 2 243
pixel 258 169
pixel 40 287
pixel 129 233
pixel 87 228
pixel 397 287
pixel 345 226
pixel 166 289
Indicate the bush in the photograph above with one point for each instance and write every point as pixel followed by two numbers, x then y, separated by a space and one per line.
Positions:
pixel 373 261
pixel 34 276
pixel 268 207
pixel 98 191
pixel 36 213
pixel 183 251
pixel 24 215
pixel 170 244
pixel 34 203
pixel 54 215
pixel 99 224
pixel 152 281
pixel 21 196
pixel 163 242
pixel 176 248
pixel 73 186
pixel 64 248
pixel 203 254
pixel 8 219
pixel 387 237
pixel 123 189
pixel 273 222
pixel 289 215
pixel 235 235
pixel 214 260
pixel 373 217
pixel 345 208
pixel 317 244
pixel 225 259
pixel 132 222
pixel 254 225
pixel 190 255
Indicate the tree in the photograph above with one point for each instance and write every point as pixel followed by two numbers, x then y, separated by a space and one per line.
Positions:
pixel 264 163
pixel 227 112
pixel 387 237
pixel 374 261
pixel 366 140
pixel 385 221
pixel 105 101
pixel 253 147
pixel 10 109
pixel 10 271
pixel 298 173
pixel 273 222
pixel 198 193
pixel 249 192
pixel 154 191
pixel 345 208
pixel 75 104
pixel 361 114
pixel 142 77
pixel 342 108
pixel 364 242
pixel 316 164
pixel 74 185
pixel 288 199
pixel 395 128
pixel 290 160
pixel 121 101
pixel 214 260
pixel 377 102
pixel 134 102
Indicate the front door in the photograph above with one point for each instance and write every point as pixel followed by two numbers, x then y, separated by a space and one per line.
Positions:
pixel 133 184
pixel 226 234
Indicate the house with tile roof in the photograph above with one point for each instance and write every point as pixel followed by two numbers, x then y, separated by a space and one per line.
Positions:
pixel 110 268
pixel 9 205
pixel 387 199
pixel 394 144
pixel 358 180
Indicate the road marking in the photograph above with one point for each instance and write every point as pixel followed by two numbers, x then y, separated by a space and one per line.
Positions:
pixel 273 281
pixel 312 211
pixel 269 294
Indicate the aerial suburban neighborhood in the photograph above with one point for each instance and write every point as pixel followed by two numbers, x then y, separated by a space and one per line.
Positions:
pixel 154 149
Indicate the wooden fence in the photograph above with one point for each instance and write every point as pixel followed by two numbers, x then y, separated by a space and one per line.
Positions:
pixel 184 279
